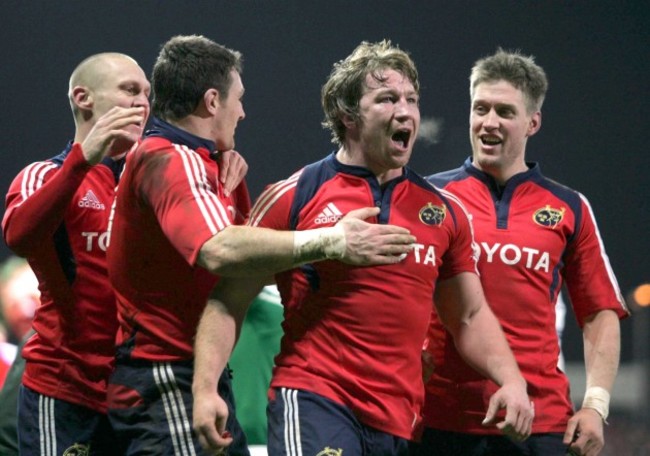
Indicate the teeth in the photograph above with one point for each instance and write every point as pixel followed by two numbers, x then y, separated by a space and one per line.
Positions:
pixel 491 141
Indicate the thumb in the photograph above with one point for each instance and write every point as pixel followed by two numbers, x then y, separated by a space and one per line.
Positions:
pixel 363 213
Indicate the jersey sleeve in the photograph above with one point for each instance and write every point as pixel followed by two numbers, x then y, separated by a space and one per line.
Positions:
pixel 273 207
pixel 37 200
pixel 242 205
pixel 181 187
pixel 590 280
pixel 462 254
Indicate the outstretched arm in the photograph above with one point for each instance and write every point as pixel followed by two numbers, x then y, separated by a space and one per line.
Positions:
pixel 240 251
pixel 478 336
pixel 215 339
pixel 601 335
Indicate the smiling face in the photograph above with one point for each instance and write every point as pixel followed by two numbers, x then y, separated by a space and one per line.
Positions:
pixel 499 128
pixel 389 117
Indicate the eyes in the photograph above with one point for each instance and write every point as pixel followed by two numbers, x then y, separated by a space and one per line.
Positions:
pixel 135 90
pixel 393 98
pixel 504 111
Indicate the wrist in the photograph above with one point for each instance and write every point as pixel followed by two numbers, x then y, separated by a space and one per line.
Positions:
pixel 320 243
pixel 597 398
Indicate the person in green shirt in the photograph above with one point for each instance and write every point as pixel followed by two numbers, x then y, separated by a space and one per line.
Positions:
pixel 252 362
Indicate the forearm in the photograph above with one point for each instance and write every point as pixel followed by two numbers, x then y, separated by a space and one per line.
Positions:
pixel 215 339
pixel 601 335
pixel 240 251
pixel 481 342
pixel 477 334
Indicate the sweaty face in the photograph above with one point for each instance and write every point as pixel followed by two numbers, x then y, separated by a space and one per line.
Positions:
pixel 499 129
pixel 123 83
pixel 389 118
pixel 231 111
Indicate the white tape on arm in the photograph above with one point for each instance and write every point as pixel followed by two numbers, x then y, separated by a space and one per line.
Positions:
pixel 597 398
pixel 329 242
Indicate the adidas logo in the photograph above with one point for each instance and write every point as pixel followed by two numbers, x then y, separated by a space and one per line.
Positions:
pixel 330 214
pixel 90 201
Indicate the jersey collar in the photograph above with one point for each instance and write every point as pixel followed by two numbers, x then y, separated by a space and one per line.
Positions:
pixel 160 128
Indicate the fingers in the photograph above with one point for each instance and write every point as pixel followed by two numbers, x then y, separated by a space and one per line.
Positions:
pixel 113 133
pixel 585 433
pixel 232 170
pixel 371 243
pixel 518 421
pixel 570 433
pixel 209 421
pixel 211 440
pixel 491 413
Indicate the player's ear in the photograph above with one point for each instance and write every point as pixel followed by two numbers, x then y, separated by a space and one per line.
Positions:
pixel 82 97
pixel 211 100
pixel 535 124
pixel 348 121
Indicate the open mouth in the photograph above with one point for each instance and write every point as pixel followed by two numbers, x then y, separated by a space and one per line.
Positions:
pixel 491 140
pixel 402 137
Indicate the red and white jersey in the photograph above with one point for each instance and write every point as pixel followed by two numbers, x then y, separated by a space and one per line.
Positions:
pixel 354 334
pixel 534 235
pixel 57 217
pixel 168 204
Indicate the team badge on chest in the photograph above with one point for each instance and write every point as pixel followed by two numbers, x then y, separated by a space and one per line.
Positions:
pixel 548 217
pixel 433 215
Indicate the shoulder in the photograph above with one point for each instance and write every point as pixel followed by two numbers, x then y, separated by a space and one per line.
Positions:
pixel 442 179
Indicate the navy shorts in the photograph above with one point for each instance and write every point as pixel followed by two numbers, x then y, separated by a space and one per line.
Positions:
pixel 304 423
pixel 150 408
pixel 443 443
pixel 52 427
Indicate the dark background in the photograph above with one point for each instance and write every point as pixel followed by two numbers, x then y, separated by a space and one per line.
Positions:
pixel 595 120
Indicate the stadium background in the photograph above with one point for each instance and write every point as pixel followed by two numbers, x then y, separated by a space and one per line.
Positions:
pixel 595 118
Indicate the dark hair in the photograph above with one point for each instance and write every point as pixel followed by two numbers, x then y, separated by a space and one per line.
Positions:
pixel 185 69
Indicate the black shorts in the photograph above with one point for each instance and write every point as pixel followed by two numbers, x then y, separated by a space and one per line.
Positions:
pixel 150 408
pixel 301 422
pixel 443 443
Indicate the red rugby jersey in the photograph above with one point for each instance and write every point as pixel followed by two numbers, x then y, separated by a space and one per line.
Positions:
pixel 57 216
pixel 534 235
pixel 168 204
pixel 354 334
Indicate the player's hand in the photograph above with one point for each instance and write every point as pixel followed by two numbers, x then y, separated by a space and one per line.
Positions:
pixel 584 433
pixel 371 243
pixel 114 133
pixel 232 170
pixel 520 411
pixel 210 415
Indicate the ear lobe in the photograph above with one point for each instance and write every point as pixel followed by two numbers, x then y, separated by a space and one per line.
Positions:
pixel 348 121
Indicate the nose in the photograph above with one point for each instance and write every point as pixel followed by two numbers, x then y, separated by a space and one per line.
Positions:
pixel 404 109
pixel 491 120
pixel 142 100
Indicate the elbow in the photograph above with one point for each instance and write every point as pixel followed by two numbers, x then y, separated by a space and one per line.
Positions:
pixel 19 243
pixel 217 258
